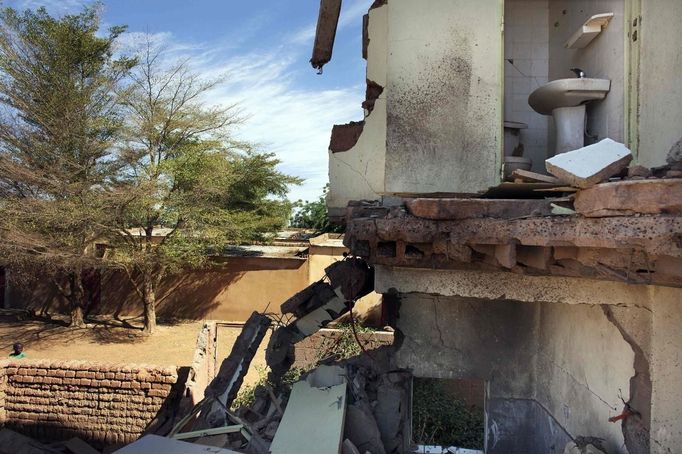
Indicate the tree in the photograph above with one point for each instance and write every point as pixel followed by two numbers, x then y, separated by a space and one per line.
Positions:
pixel 186 188
pixel 58 119
pixel 314 215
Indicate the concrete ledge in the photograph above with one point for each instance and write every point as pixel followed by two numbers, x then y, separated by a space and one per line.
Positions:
pixel 510 286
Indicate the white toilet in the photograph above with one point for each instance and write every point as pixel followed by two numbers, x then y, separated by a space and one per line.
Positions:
pixel 513 149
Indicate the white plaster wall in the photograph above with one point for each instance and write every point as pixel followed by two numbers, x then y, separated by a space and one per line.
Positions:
pixel 526 43
pixel 583 367
pixel 666 376
pixel 602 58
pixel 444 93
pixel 660 109
pixel 358 174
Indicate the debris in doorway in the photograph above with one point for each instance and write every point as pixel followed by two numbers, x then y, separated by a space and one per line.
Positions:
pixel 426 449
pixel 590 165
pixel 585 445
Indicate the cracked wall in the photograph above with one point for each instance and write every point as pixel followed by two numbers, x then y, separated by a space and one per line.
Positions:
pixel 554 371
pixel 645 317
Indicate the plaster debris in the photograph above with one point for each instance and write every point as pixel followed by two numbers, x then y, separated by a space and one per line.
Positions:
pixel 154 443
pixel 361 428
pixel 319 412
pixel 590 165
pixel 674 158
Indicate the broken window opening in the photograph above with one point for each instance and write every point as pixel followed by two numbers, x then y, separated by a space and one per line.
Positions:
pixel 448 412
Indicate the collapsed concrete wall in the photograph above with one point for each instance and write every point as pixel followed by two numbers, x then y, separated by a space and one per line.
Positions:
pixel 102 404
pixel 553 371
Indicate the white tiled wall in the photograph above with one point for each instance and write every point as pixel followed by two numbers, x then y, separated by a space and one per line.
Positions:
pixel 526 42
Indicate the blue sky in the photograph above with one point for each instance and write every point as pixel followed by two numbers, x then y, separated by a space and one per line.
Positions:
pixel 264 48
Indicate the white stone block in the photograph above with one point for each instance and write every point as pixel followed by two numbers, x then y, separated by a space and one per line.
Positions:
pixel 590 165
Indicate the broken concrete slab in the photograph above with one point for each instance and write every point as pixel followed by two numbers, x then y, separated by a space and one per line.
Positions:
pixel 320 412
pixel 324 376
pixel 625 198
pixel 325 33
pixel 154 443
pixel 361 428
pixel 450 208
pixel 590 165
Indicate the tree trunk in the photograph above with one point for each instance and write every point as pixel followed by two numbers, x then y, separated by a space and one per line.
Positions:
pixel 149 297
pixel 76 300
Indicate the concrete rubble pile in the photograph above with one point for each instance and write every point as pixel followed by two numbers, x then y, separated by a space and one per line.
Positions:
pixel 15 443
pixel 358 405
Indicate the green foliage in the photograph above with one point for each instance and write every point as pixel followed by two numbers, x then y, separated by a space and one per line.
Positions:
pixel 314 215
pixel 343 347
pixel 440 419
pixel 122 151
pixel 246 395
pixel 182 171
pixel 58 118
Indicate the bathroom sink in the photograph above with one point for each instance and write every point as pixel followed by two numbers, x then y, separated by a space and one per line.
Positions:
pixel 567 93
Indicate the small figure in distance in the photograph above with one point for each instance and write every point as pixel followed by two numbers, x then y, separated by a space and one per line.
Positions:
pixel 18 352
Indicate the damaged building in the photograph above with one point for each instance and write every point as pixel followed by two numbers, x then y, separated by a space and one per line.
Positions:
pixel 515 183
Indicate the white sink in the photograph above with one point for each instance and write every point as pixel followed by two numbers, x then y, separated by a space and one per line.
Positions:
pixel 567 93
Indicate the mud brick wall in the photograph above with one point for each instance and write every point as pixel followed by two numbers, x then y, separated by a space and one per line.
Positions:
pixel 102 404
pixel 309 350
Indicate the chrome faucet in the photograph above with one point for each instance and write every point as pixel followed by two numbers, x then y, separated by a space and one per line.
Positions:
pixel 579 73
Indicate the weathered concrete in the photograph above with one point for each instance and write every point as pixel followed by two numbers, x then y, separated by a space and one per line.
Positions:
pixel 625 198
pixel 419 135
pixel 444 96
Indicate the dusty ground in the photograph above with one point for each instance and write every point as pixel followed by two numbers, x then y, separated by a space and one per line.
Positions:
pixel 108 341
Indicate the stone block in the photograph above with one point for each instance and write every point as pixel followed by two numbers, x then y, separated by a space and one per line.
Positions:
pixel 625 198
pixel 453 208
pixel 587 166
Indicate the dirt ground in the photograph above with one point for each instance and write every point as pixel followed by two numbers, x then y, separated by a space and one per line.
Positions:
pixel 110 342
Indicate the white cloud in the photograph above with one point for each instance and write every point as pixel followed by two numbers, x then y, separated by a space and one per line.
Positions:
pixel 55 7
pixel 283 117
pixel 290 119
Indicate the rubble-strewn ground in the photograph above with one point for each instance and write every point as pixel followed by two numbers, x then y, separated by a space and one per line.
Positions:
pixel 108 341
